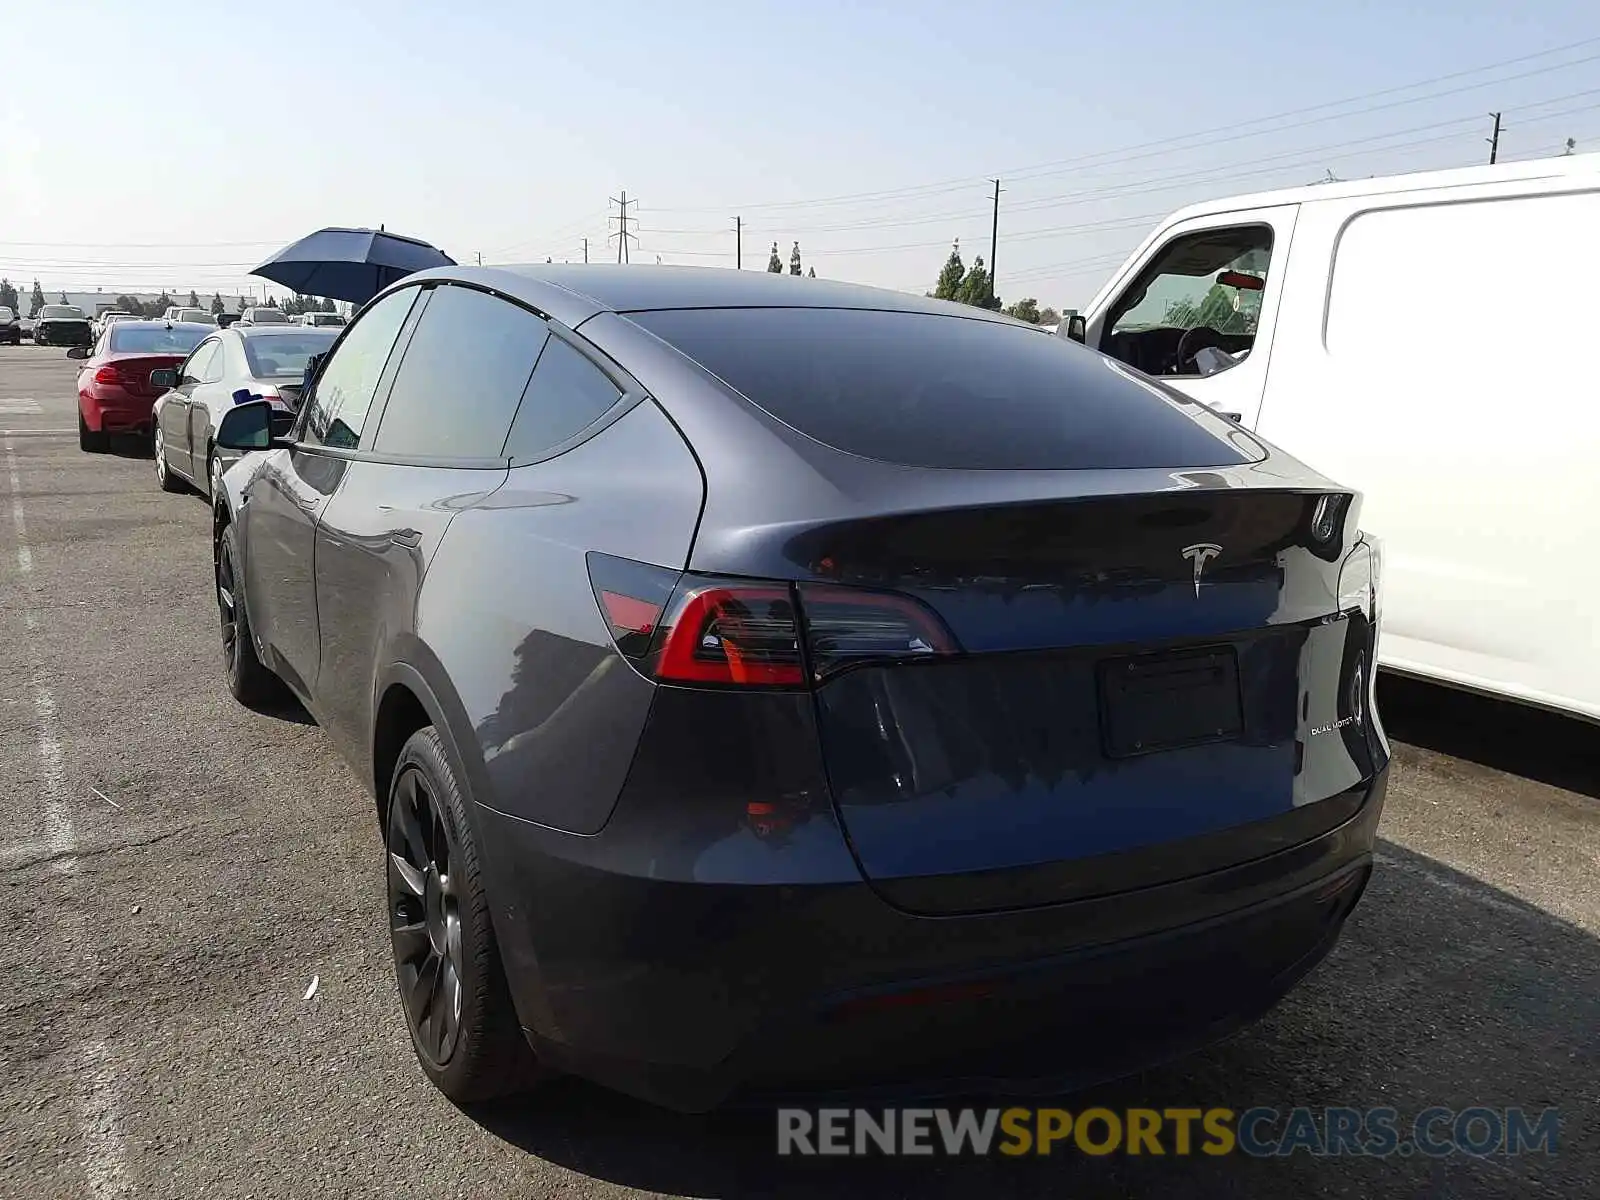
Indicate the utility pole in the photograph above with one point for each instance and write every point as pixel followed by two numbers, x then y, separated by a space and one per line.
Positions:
pixel 1494 141
pixel 585 249
pixel 994 238
pixel 738 243
pixel 622 235
pixel 480 258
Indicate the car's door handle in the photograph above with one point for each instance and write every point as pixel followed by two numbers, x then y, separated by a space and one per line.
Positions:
pixel 406 537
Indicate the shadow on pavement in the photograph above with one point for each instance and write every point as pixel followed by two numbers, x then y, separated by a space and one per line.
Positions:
pixel 1443 991
pixel 1515 738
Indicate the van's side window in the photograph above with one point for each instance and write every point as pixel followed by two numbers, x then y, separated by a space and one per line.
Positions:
pixel 1193 310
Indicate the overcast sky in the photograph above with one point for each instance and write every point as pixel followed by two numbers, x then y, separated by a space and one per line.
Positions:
pixel 179 144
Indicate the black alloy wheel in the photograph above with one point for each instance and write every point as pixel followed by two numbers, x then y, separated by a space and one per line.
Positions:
pixel 251 683
pixel 463 1025
pixel 425 917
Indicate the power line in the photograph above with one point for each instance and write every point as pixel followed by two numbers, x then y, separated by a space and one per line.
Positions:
pixel 1123 153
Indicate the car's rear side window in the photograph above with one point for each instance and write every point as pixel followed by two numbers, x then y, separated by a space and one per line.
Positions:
pixel 463 373
pixel 941 391
pixel 566 395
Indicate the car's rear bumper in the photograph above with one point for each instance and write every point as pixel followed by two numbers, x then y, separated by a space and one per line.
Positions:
pixel 63 337
pixel 117 416
pixel 692 991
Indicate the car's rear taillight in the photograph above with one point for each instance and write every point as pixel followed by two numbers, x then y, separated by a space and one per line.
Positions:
pixel 847 626
pixel 632 597
pixel 108 374
pixel 728 632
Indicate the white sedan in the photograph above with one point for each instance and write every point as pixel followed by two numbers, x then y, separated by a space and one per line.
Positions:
pixel 233 365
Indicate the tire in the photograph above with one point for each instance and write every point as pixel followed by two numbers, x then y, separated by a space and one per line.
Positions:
pixel 89 441
pixel 251 683
pixel 213 475
pixel 164 476
pixel 443 938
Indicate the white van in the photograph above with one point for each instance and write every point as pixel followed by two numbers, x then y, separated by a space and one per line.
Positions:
pixel 1418 338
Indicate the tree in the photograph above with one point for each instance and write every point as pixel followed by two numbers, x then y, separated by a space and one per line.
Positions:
pixel 976 288
pixel 128 304
pixel 1025 310
pixel 1049 316
pixel 775 264
pixel 1218 309
pixel 272 302
pixel 64 299
pixel 8 295
pixel 216 303
pixel 194 300
pixel 794 260
pixel 811 273
pixel 158 307
pixel 36 300
pixel 950 278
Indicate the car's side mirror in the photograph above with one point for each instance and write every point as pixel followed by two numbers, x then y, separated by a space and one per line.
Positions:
pixel 164 377
pixel 1077 328
pixel 246 427
pixel 78 352
pixel 312 364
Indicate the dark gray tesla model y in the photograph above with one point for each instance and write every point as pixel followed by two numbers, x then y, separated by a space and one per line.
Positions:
pixel 770 685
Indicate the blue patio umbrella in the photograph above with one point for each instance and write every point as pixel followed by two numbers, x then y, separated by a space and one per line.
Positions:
pixel 349 264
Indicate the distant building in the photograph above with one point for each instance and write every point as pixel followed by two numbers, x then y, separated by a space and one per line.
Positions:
pixel 104 298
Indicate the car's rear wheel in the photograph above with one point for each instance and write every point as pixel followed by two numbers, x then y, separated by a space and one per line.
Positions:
pixel 214 474
pixel 89 440
pixel 251 683
pixel 164 476
pixel 458 1008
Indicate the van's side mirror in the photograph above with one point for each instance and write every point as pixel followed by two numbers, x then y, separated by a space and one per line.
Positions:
pixel 78 352
pixel 164 377
pixel 1078 329
pixel 246 427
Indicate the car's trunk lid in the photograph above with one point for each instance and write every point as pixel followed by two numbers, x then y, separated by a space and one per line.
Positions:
pixel 133 371
pixel 1137 697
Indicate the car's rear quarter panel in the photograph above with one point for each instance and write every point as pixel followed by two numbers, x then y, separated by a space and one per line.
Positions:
pixel 556 712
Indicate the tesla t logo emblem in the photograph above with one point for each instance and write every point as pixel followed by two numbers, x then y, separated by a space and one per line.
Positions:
pixel 1200 554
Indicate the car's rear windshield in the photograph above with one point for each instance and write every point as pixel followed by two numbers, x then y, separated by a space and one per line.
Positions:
pixel 267 316
pixel 284 354
pixel 157 339
pixel 324 319
pixel 192 314
pixel 6 314
pixel 61 312
pixel 943 391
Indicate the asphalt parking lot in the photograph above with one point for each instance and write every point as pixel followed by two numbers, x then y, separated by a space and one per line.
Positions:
pixel 176 871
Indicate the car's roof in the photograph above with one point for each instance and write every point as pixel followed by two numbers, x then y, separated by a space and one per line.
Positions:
pixel 261 331
pixel 573 292
pixel 1560 166
pixel 158 323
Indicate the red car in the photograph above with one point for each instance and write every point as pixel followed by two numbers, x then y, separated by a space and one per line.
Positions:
pixel 114 392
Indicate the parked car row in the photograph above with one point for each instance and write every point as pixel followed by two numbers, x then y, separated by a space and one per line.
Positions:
pixel 170 381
